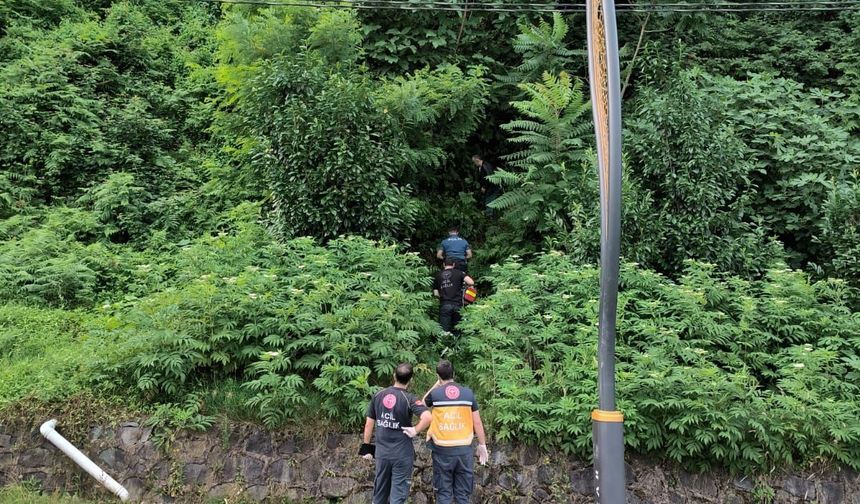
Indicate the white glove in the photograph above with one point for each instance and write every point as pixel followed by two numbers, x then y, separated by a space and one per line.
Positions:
pixel 410 431
pixel 367 457
pixel 483 454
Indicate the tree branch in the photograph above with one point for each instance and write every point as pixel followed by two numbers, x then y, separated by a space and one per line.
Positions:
pixel 463 24
pixel 635 53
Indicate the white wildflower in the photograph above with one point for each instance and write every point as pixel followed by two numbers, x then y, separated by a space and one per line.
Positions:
pixel 229 280
pixel 252 295
pixel 385 296
pixel 799 365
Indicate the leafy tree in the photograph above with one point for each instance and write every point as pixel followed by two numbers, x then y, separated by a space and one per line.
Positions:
pixel 436 112
pixel 554 131
pixel 338 155
pixel 799 152
pixel 544 49
pixel 92 96
pixel 686 153
pixel 332 157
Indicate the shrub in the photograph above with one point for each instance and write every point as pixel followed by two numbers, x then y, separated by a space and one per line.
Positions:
pixel 300 323
pixel 712 370
pixel 46 263
pixel 118 204
pixel 839 232
pixel 46 354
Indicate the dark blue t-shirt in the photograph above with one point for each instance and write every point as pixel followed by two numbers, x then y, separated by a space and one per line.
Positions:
pixel 454 246
pixel 392 409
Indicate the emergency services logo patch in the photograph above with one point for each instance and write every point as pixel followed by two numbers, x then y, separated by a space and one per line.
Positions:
pixel 452 392
pixel 389 401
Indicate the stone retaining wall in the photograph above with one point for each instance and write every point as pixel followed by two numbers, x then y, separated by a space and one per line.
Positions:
pixel 247 461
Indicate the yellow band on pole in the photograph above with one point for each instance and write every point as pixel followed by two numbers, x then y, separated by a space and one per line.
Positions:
pixel 607 416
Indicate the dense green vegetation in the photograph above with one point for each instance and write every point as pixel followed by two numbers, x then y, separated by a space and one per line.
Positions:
pixel 232 210
pixel 22 495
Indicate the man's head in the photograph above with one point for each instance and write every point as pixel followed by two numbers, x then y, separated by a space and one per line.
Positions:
pixel 445 370
pixel 403 373
pixel 449 262
pixel 453 230
pixel 476 160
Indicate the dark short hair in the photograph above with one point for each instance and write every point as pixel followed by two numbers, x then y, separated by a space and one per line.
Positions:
pixel 403 373
pixel 449 261
pixel 477 156
pixel 453 229
pixel 445 370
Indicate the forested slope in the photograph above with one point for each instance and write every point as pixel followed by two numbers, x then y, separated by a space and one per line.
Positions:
pixel 231 210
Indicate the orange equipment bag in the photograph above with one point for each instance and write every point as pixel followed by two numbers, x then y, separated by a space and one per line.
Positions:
pixel 470 295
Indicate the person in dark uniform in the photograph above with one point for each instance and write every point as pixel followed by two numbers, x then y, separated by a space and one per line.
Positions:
pixel 456 422
pixel 490 190
pixel 448 287
pixel 457 247
pixel 390 414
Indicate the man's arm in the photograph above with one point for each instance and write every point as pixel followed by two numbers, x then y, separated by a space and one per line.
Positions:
pixel 435 293
pixel 469 253
pixel 483 454
pixel 426 399
pixel 479 428
pixel 439 254
pixel 369 424
pixel 468 280
pixel 426 418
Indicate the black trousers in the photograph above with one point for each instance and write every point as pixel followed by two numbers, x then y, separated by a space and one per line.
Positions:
pixel 449 316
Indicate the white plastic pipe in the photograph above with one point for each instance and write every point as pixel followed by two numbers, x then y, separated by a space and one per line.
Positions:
pixel 47 430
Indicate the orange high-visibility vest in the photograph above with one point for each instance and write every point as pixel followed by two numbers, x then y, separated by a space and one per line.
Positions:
pixel 452 406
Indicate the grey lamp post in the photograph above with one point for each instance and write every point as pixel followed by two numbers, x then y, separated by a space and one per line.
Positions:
pixel 603 69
